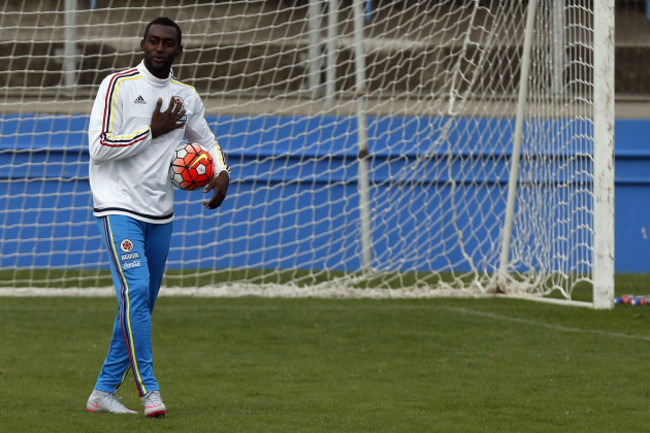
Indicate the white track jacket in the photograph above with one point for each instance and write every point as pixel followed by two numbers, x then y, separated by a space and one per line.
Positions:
pixel 128 169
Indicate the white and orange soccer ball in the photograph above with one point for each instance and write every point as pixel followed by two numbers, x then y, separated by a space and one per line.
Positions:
pixel 191 167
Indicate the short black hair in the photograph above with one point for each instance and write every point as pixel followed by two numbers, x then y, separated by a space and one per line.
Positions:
pixel 166 22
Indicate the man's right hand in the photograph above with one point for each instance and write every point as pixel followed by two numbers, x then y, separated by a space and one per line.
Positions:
pixel 166 121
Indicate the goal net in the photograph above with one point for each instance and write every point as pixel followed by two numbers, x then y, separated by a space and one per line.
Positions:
pixel 378 148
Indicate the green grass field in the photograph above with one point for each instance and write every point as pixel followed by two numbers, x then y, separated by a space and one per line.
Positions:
pixel 307 365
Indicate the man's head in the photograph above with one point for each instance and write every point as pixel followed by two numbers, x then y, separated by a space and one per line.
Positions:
pixel 161 45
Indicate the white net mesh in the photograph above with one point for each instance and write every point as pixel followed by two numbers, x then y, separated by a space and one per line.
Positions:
pixel 283 91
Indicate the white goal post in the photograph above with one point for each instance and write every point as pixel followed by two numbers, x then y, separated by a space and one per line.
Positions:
pixel 378 148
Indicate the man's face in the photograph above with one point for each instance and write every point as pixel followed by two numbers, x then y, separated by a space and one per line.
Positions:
pixel 160 47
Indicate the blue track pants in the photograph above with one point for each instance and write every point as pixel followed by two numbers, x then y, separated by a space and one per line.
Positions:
pixel 137 253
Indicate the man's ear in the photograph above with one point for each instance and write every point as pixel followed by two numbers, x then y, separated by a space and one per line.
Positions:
pixel 142 44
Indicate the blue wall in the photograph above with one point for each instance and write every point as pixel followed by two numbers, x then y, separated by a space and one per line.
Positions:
pixel 632 195
pixel 68 238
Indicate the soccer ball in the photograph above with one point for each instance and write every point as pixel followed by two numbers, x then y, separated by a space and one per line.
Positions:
pixel 191 167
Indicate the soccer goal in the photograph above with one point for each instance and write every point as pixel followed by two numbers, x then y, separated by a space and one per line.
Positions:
pixel 379 148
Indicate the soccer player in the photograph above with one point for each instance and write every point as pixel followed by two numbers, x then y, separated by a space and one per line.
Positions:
pixel 139 117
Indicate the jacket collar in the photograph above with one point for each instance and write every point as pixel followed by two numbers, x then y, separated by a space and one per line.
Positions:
pixel 160 82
